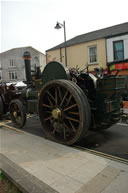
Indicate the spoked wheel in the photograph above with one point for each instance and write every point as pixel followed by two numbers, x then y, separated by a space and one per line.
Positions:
pixel 17 113
pixel 64 111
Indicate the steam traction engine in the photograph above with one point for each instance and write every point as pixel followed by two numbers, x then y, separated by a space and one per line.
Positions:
pixel 68 102
pixel 7 94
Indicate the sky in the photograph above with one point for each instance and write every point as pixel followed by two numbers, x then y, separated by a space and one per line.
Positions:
pixel 31 22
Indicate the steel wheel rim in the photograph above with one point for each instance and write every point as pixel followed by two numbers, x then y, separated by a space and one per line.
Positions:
pixel 58 99
pixel 16 113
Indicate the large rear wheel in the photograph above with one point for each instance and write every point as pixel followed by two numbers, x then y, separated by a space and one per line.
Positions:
pixel 63 111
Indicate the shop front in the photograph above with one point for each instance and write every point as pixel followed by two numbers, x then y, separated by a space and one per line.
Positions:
pixel 120 66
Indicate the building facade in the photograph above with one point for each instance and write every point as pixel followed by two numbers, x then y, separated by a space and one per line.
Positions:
pixel 12 66
pixel 117 54
pixel 94 49
pixel 91 53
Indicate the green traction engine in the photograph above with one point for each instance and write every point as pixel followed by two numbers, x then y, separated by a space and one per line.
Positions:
pixel 69 102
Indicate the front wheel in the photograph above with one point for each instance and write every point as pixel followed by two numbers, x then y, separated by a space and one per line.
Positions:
pixel 17 113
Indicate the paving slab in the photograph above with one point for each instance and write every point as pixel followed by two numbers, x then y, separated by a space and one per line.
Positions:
pixel 26 182
pixel 119 184
pixel 59 168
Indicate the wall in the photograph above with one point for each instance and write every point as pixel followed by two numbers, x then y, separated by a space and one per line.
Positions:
pixel 16 54
pixel 42 61
pixel 77 55
pixel 18 68
pixel 55 55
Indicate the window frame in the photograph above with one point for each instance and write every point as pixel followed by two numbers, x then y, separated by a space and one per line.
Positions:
pixel 15 74
pixel 89 62
pixel 12 63
pixel 114 52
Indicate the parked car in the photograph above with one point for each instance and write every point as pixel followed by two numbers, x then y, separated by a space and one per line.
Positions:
pixel 19 85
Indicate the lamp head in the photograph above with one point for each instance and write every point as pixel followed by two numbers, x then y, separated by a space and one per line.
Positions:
pixel 58 26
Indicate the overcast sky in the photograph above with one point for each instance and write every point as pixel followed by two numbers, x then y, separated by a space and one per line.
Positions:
pixel 32 22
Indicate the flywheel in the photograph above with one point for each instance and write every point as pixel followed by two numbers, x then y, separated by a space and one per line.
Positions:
pixel 64 111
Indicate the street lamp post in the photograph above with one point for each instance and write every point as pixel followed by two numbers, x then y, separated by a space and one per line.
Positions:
pixel 59 26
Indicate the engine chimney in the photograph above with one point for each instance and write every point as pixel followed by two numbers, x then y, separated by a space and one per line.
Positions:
pixel 27 60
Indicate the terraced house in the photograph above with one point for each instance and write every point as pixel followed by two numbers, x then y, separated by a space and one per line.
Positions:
pixel 104 48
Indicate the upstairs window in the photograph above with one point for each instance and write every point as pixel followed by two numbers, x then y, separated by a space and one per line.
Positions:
pixel 92 54
pixel 13 75
pixel 12 63
pixel 118 49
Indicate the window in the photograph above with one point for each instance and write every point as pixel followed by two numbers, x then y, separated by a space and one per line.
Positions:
pixel 92 54
pixel 12 63
pixel 118 49
pixel 13 75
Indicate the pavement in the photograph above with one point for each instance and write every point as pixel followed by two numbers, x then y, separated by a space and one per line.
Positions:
pixel 37 165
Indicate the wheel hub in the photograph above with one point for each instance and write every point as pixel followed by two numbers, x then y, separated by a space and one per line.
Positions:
pixel 15 114
pixel 56 113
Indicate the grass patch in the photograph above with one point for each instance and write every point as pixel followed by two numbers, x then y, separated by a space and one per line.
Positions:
pixel 6 186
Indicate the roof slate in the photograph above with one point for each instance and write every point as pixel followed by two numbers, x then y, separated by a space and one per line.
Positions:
pixel 20 48
pixel 108 32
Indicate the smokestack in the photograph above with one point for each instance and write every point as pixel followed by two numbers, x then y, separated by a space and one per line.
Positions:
pixel 27 60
